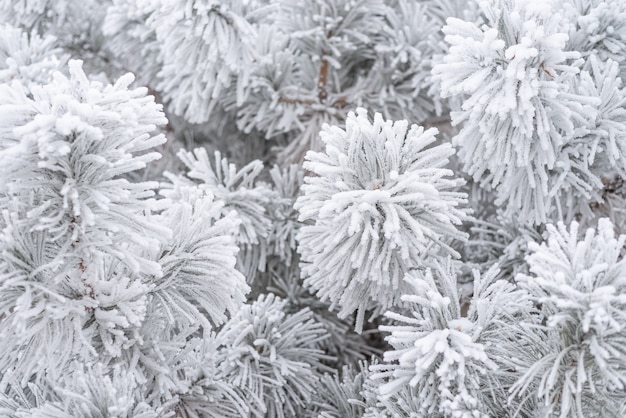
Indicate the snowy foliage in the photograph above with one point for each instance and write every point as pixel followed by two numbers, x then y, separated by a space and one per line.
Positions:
pixel 74 232
pixel 285 224
pixel 341 397
pixel 342 344
pixel 526 108
pixel 218 255
pixel 32 13
pixel 310 65
pixel 87 269
pixel 28 58
pixel 598 27
pixel 436 352
pixel 273 356
pixel 75 24
pixel 240 192
pixel 380 204
pixel 132 40
pixel 207 46
pixel 205 388
pixel 92 392
pixel 400 77
pixel 579 285
pixel 199 281
pixel 71 144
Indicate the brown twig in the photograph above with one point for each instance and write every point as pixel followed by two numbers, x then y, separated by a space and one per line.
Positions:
pixel 545 70
pixel 322 81
pixel 289 100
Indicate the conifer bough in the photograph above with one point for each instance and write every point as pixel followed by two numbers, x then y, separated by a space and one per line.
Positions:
pixel 312 208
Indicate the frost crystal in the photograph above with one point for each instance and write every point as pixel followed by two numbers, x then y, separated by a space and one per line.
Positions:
pixel 380 204
pixel 520 107
pixel 580 286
